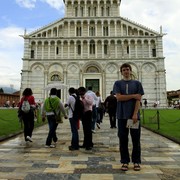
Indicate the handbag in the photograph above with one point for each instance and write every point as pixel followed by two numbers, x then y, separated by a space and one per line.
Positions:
pixel 58 116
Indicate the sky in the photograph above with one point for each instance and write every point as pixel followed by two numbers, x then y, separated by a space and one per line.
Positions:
pixel 18 15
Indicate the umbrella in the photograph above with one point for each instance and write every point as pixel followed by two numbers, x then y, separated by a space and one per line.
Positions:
pixel 56 85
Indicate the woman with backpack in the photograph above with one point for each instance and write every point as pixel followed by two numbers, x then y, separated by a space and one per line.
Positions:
pixel 26 111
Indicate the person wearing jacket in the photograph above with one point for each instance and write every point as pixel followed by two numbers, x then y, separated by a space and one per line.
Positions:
pixel 51 104
pixel 28 118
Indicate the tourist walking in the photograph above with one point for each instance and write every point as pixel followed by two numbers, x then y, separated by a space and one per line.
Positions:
pixel 26 110
pixel 128 93
pixel 51 106
pixel 86 118
pixel 111 105
pixel 73 119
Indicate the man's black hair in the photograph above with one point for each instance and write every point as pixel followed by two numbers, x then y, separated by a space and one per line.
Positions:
pixel 53 91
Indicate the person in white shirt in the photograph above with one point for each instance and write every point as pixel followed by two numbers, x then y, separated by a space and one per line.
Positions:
pixel 73 121
pixel 94 110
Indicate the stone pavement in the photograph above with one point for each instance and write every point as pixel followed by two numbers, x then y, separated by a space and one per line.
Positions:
pixel 32 161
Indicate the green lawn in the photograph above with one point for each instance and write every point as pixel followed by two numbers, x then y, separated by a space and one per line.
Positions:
pixel 163 121
pixel 169 122
pixel 9 122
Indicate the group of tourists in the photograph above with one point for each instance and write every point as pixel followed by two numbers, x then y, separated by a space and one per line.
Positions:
pixel 83 104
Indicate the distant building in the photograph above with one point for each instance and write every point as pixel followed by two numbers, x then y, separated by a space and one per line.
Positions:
pixel 5 97
pixel 173 97
pixel 87 47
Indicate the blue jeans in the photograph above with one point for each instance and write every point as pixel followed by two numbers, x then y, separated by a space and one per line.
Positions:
pixel 123 133
pixel 52 130
pixel 74 131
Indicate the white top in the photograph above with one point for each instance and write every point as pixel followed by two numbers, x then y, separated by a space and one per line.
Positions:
pixel 71 103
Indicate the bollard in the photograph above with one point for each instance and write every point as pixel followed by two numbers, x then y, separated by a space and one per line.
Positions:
pixel 158 119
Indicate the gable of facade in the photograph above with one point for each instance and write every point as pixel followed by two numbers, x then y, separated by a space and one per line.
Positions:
pixel 87 47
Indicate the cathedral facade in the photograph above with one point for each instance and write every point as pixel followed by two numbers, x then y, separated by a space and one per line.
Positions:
pixel 87 48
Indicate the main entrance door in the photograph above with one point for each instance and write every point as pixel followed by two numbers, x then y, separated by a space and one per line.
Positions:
pixel 94 83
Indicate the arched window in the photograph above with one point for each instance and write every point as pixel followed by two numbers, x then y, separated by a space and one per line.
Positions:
pixel 108 11
pixel 76 11
pixel 89 11
pixel 105 49
pixel 92 47
pixel 94 11
pixel 105 31
pixel 79 49
pixel 82 11
pixel 102 11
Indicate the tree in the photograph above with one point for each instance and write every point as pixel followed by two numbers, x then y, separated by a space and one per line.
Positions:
pixel 1 90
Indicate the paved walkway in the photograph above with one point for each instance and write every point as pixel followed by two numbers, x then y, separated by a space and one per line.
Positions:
pixel 32 161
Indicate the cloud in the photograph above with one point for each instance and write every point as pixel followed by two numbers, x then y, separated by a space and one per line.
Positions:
pixel 57 4
pixel 11 52
pixel 153 14
pixel 26 3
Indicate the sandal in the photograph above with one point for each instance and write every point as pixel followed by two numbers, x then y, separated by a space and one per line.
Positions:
pixel 137 167
pixel 124 167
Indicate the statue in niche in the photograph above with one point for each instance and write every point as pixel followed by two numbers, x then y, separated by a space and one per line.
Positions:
pixel 92 69
pixel 55 77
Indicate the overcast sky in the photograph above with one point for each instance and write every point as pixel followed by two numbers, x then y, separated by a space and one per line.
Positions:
pixel 16 15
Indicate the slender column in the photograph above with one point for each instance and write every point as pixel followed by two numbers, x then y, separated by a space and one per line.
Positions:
pixel 57 31
pixel 75 50
pixel 116 49
pixel 149 48
pixel 98 12
pixel 115 28
pixel 36 49
pixel 142 49
pixel 68 29
pixel 103 50
pixel 122 49
pixel 49 46
pixel 85 9
pixel 105 9
pixel 45 82
pixel 96 49
pixel 109 29
pixel 121 29
pixel 102 24
pixel 68 49
pixel 136 49
pixel 81 50
pixel 75 28
pixel 62 44
pixel 88 28
pixel 96 28
pixel 129 45
pixel 109 49
pixel 42 55
pixel 55 50
pixel 82 29
pixel 88 49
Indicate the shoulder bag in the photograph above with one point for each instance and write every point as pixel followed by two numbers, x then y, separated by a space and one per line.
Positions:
pixel 58 116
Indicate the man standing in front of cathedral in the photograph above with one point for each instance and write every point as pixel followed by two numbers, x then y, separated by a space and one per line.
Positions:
pixel 128 93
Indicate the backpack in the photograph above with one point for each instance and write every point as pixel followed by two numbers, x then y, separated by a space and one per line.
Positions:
pixel 25 106
pixel 78 108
